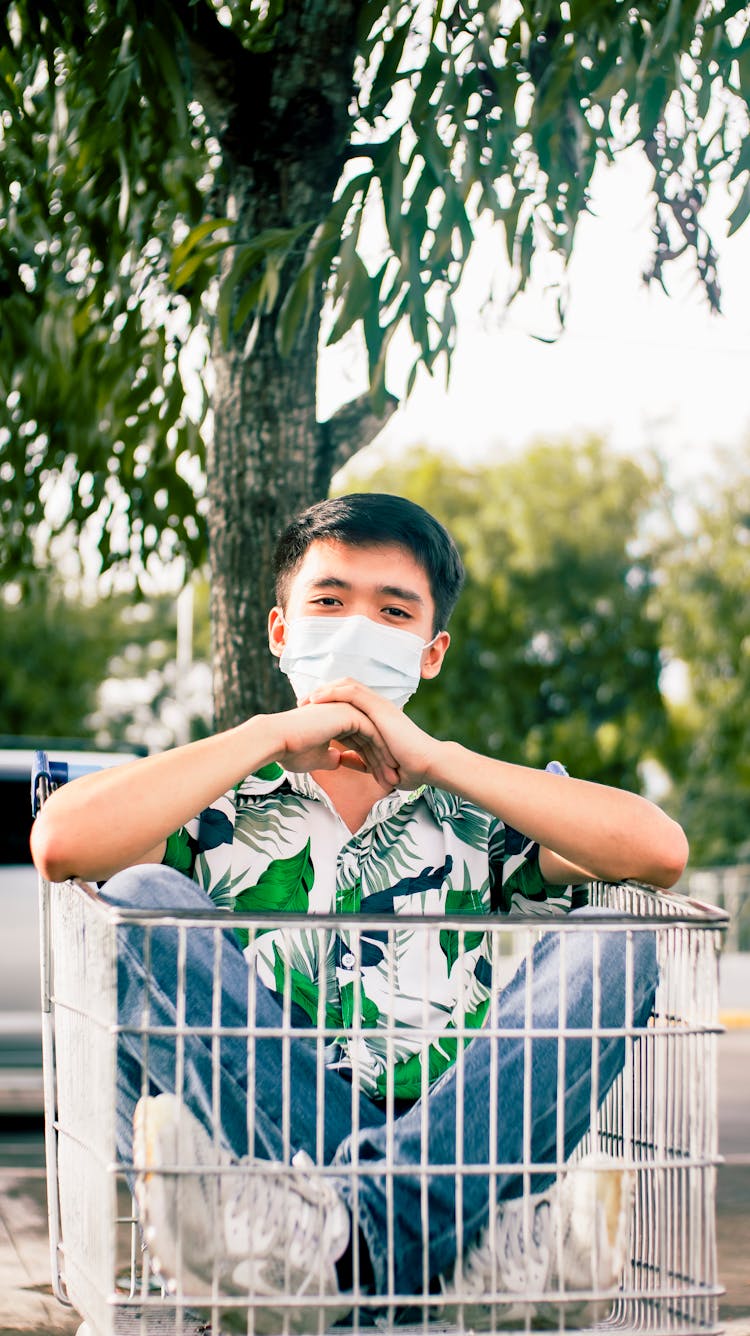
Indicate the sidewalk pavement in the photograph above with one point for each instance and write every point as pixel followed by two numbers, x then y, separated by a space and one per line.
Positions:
pixel 734 990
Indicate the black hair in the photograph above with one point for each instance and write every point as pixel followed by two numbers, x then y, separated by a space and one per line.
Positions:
pixel 375 519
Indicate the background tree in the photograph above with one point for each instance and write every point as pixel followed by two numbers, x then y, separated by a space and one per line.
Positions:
pixel 54 652
pixel 556 651
pixel 706 614
pixel 167 167
pixel 102 670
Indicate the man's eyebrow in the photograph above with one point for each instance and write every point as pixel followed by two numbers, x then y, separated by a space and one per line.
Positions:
pixel 389 591
pixel 329 582
pixel 396 591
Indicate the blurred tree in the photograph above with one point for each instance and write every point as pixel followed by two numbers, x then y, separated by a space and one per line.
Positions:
pixel 149 696
pixel 556 651
pixel 706 615
pixel 102 671
pixel 148 149
pixel 54 652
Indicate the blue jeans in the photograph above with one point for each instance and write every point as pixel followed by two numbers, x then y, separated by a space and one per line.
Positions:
pixel 151 972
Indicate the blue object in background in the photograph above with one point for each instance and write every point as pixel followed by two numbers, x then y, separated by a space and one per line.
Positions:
pixel 555 768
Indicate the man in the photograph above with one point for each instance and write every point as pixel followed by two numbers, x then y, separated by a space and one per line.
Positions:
pixel 343 804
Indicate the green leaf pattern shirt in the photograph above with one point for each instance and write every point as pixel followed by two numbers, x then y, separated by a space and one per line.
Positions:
pixel 277 845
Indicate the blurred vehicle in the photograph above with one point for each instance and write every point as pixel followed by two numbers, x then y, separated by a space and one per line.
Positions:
pixel 20 1005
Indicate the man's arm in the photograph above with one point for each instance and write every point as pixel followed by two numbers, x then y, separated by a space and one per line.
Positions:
pixel 583 829
pixel 613 834
pixel 559 871
pixel 100 823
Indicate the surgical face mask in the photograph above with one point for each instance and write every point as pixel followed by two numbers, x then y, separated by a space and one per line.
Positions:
pixel 322 649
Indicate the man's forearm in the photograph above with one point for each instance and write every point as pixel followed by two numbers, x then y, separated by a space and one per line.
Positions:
pixel 612 833
pixel 102 822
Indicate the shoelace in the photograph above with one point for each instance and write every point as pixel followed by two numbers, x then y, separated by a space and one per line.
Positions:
pixel 300 1230
pixel 519 1260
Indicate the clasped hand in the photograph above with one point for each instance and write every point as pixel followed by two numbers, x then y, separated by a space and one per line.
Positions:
pixel 346 724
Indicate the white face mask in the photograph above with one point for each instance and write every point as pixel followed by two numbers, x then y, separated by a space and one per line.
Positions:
pixel 322 649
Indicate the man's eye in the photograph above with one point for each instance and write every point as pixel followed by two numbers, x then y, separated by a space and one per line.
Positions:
pixel 398 612
pixel 327 601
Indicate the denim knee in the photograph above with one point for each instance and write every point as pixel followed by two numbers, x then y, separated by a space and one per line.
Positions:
pixel 628 958
pixel 154 886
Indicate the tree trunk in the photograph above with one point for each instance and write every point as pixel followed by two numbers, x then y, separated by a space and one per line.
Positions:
pixel 282 119
pixel 262 469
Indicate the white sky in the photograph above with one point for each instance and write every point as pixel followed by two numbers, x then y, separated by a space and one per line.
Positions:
pixel 637 366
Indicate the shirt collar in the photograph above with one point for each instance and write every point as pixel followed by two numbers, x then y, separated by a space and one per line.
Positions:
pixel 273 776
pixel 385 807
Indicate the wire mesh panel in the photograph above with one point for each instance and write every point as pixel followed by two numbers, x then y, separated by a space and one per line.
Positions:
pixel 540 1152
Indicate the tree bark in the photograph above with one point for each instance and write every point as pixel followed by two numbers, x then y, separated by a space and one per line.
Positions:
pixel 282 120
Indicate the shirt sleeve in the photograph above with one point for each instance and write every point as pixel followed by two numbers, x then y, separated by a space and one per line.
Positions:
pixel 182 849
pixel 202 848
pixel 516 880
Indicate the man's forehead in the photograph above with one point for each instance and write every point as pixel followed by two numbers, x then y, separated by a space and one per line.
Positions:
pixel 386 568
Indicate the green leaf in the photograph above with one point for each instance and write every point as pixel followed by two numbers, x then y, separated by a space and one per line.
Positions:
pixel 304 990
pixel 378 392
pixel 270 246
pixel 271 771
pixel 406 1077
pixel 194 237
pixel 182 275
pixel 429 78
pixel 669 26
pixel 743 160
pixel 282 888
pixel 297 308
pixel 740 211
pixel 460 902
pixel 392 187
pixel 168 67
pixel 349 899
pixel 348 256
pixel 369 1013
pixel 245 306
pixel 385 77
pixel 360 295
pixel 180 852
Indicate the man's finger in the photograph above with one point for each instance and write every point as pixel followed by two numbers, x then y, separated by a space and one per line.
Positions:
pixel 353 761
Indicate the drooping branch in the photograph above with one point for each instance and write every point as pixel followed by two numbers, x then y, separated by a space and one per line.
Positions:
pixel 682 209
pixel 349 430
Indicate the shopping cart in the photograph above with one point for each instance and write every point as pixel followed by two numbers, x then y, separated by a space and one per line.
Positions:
pixel 657 1122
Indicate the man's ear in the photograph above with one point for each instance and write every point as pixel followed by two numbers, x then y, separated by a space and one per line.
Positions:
pixel 432 659
pixel 276 631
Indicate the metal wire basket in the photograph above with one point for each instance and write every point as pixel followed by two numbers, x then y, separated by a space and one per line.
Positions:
pixel 657 1122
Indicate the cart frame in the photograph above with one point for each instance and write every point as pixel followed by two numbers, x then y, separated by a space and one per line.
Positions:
pixel 670 1142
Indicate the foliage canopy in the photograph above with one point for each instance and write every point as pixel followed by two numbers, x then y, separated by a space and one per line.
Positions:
pixel 556 642
pixel 706 621
pixel 131 133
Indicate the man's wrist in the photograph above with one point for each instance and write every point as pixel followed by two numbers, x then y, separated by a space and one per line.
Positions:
pixel 262 740
pixel 446 764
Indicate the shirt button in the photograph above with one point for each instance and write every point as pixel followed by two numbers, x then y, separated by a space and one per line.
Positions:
pixel 348 961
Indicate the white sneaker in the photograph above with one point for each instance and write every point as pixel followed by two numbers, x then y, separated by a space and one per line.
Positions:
pixel 575 1236
pixel 595 1212
pixel 261 1233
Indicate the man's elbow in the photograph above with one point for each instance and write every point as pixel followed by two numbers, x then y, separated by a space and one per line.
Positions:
pixel 672 857
pixel 51 857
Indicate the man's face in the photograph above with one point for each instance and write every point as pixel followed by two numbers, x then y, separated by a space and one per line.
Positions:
pixel 386 584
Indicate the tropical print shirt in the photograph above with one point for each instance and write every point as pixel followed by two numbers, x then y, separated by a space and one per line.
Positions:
pixel 277 845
